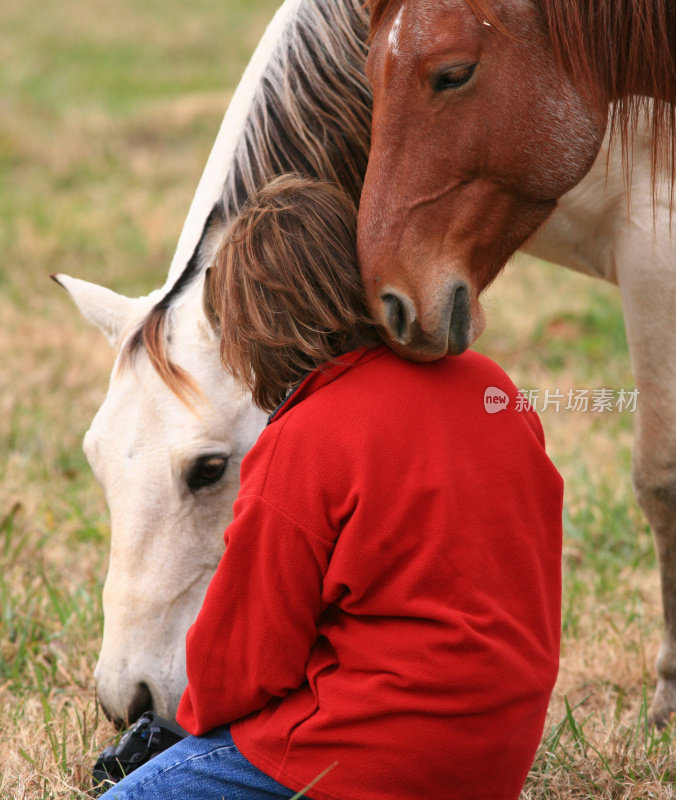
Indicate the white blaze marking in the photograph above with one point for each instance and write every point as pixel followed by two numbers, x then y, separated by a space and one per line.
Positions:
pixel 393 38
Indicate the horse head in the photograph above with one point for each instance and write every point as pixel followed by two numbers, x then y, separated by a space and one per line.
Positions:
pixel 168 439
pixel 169 468
pixel 477 131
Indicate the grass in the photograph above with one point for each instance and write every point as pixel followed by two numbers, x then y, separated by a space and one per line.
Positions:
pixel 109 112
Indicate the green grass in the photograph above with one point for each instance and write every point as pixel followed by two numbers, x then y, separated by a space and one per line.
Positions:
pixel 636 761
pixel 108 114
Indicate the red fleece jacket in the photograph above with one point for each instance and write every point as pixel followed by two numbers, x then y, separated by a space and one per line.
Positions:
pixel 390 594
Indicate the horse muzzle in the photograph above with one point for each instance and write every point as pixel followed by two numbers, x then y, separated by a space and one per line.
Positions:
pixel 140 700
pixel 126 688
pixel 446 328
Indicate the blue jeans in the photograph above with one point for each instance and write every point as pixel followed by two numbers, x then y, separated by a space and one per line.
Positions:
pixel 208 767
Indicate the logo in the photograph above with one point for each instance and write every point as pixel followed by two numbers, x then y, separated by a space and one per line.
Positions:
pixel 495 400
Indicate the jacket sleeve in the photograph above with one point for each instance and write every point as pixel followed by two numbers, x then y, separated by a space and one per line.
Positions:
pixel 253 636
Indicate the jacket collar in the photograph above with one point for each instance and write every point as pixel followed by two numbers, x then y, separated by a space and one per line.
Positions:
pixel 325 374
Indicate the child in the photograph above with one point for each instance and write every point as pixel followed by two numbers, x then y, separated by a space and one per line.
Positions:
pixel 388 605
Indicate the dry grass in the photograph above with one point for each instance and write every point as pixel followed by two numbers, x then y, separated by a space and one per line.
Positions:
pixel 107 120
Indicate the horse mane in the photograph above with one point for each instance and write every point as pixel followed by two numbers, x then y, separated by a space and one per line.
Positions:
pixel 311 114
pixel 627 45
pixel 630 47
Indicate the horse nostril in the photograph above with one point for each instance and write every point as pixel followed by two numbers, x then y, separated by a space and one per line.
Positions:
pixel 458 328
pixel 141 701
pixel 399 316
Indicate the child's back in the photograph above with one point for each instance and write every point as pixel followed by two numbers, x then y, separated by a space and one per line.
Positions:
pixel 424 535
pixel 389 598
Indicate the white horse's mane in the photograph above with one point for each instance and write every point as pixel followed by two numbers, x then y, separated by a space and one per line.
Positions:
pixel 304 105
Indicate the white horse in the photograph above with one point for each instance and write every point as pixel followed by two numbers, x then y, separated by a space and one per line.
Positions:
pixel 168 439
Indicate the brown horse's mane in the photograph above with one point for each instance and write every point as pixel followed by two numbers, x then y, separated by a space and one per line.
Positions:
pixel 311 115
pixel 629 46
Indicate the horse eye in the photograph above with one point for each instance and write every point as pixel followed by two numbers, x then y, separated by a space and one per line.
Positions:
pixel 206 471
pixel 451 77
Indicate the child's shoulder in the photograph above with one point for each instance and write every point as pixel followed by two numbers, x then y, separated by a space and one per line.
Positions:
pixel 456 376
pixel 381 387
pixel 378 410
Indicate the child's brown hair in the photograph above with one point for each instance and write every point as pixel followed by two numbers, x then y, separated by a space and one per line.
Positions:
pixel 285 287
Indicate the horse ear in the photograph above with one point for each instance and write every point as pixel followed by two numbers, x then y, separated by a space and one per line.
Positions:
pixel 209 311
pixel 108 311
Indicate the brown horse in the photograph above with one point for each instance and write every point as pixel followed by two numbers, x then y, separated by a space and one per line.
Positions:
pixel 485 113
